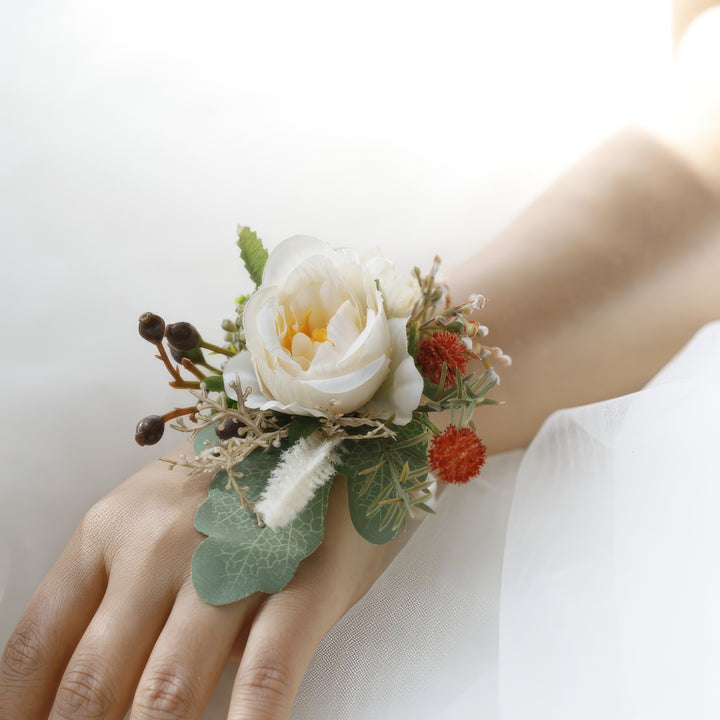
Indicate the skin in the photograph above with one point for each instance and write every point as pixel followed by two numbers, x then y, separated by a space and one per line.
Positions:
pixel 99 636
pixel 593 289
pixel 685 11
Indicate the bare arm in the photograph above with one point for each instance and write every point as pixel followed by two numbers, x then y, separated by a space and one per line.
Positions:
pixel 596 285
pixel 614 267
pixel 684 12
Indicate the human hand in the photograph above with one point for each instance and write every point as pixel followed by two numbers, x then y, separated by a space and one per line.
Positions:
pixel 117 624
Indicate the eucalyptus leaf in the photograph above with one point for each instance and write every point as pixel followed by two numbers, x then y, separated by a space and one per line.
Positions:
pixel 386 480
pixel 239 557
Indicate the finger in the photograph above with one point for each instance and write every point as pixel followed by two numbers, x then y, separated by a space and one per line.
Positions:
pixel 48 631
pixel 104 669
pixel 290 625
pixel 189 656
pixel 287 630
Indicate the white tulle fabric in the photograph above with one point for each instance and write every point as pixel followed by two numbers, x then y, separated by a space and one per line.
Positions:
pixel 576 580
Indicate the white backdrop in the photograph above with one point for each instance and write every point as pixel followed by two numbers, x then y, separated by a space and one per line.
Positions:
pixel 136 135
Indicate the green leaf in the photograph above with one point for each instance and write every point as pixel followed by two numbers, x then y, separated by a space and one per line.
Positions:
pixel 195 355
pixel 387 480
pixel 253 254
pixel 214 383
pixel 239 557
pixel 413 340
pixel 301 426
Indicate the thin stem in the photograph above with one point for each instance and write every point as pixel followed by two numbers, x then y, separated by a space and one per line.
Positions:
pixel 216 348
pixel 177 412
pixel 211 368
pixel 190 366
pixel 162 355
pixel 185 384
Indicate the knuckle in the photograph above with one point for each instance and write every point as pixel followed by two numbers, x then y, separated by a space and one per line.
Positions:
pixel 267 684
pixel 96 514
pixel 98 517
pixel 165 694
pixel 24 654
pixel 84 693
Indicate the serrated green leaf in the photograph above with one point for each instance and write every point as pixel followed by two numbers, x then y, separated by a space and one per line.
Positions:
pixel 239 557
pixel 380 475
pixel 253 253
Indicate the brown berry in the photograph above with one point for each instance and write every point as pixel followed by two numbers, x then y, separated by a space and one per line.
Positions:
pixel 177 355
pixel 228 428
pixel 182 336
pixel 149 430
pixel 151 327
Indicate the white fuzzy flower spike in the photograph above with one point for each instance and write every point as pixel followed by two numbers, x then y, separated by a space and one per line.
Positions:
pixel 301 470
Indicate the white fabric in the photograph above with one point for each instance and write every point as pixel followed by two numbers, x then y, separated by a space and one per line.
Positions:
pixel 610 580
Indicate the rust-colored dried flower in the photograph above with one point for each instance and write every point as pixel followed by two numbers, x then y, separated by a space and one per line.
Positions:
pixel 456 456
pixel 443 347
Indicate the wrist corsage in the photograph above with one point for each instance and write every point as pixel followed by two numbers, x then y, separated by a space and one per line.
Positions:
pixel 333 366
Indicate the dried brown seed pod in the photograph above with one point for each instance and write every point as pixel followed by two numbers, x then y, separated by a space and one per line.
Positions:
pixel 182 336
pixel 149 430
pixel 151 327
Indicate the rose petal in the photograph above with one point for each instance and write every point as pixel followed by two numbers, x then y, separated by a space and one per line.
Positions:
pixel 240 368
pixel 290 253
pixel 377 265
pixel 343 328
pixel 374 340
pixel 337 387
pixel 302 347
pixel 402 390
pixel 343 393
pixel 259 322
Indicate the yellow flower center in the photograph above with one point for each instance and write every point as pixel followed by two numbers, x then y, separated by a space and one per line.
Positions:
pixel 315 335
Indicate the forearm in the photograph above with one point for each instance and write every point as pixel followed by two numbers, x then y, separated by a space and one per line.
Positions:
pixel 597 284
pixel 685 11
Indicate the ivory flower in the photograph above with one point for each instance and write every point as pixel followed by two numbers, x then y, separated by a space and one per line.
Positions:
pixel 320 341
pixel 400 292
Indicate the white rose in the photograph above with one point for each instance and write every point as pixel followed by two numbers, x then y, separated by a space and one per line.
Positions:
pixel 319 340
